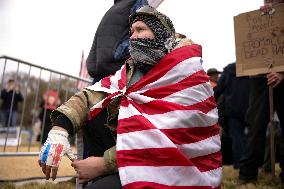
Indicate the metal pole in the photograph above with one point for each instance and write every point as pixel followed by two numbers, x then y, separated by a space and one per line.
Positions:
pixel 67 89
pixel 3 75
pixel 11 108
pixel 46 69
pixel 35 104
pixel 24 107
pixel 44 114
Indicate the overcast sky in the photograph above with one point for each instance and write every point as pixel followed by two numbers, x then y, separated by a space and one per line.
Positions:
pixel 53 33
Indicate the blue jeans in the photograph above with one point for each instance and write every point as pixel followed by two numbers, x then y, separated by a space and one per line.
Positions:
pixel 5 118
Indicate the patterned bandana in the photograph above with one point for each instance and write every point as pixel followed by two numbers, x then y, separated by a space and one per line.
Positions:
pixel 147 52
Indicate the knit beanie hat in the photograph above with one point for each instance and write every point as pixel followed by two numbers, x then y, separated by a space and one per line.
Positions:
pixel 159 23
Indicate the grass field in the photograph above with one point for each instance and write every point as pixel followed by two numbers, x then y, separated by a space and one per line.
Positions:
pixel 265 180
pixel 229 181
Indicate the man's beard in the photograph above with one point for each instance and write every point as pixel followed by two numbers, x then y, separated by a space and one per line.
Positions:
pixel 146 53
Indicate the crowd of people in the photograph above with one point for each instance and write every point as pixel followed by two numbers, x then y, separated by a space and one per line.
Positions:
pixel 244 115
pixel 155 114
pixel 11 109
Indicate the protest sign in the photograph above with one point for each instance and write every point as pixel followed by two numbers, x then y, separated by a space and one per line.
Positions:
pixel 259 42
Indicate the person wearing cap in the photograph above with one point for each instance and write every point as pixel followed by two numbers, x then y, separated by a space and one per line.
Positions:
pixel 213 74
pixel 174 82
pixel 108 53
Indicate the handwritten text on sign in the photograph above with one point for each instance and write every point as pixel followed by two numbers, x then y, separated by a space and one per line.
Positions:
pixel 259 41
pixel 272 43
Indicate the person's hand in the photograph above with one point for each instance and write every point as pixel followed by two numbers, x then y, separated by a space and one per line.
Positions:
pixel 274 78
pixel 54 148
pixel 89 168
pixel 267 9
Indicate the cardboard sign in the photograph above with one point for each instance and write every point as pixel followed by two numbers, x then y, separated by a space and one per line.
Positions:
pixel 259 42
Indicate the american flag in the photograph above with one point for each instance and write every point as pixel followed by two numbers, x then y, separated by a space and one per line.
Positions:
pixel 168 135
pixel 83 73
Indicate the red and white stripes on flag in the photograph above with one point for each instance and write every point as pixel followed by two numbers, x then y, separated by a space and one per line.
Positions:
pixel 83 73
pixel 168 135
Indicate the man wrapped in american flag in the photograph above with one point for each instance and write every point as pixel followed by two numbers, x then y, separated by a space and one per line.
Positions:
pixel 161 111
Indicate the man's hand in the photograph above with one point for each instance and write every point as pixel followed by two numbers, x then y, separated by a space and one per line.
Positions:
pixel 89 168
pixel 274 78
pixel 267 9
pixel 54 148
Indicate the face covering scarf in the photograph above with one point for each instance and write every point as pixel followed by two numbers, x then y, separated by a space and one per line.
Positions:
pixel 146 53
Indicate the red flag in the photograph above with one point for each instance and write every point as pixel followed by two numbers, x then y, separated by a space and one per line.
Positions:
pixel 83 74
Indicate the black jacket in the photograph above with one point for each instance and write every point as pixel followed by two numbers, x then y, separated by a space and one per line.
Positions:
pixel 235 91
pixel 7 98
pixel 111 32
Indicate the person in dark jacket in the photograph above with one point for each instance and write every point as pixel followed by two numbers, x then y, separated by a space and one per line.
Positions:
pixel 110 46
pixel 10 96
pixel 108 52
pixel 235 91
pixel 258 117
